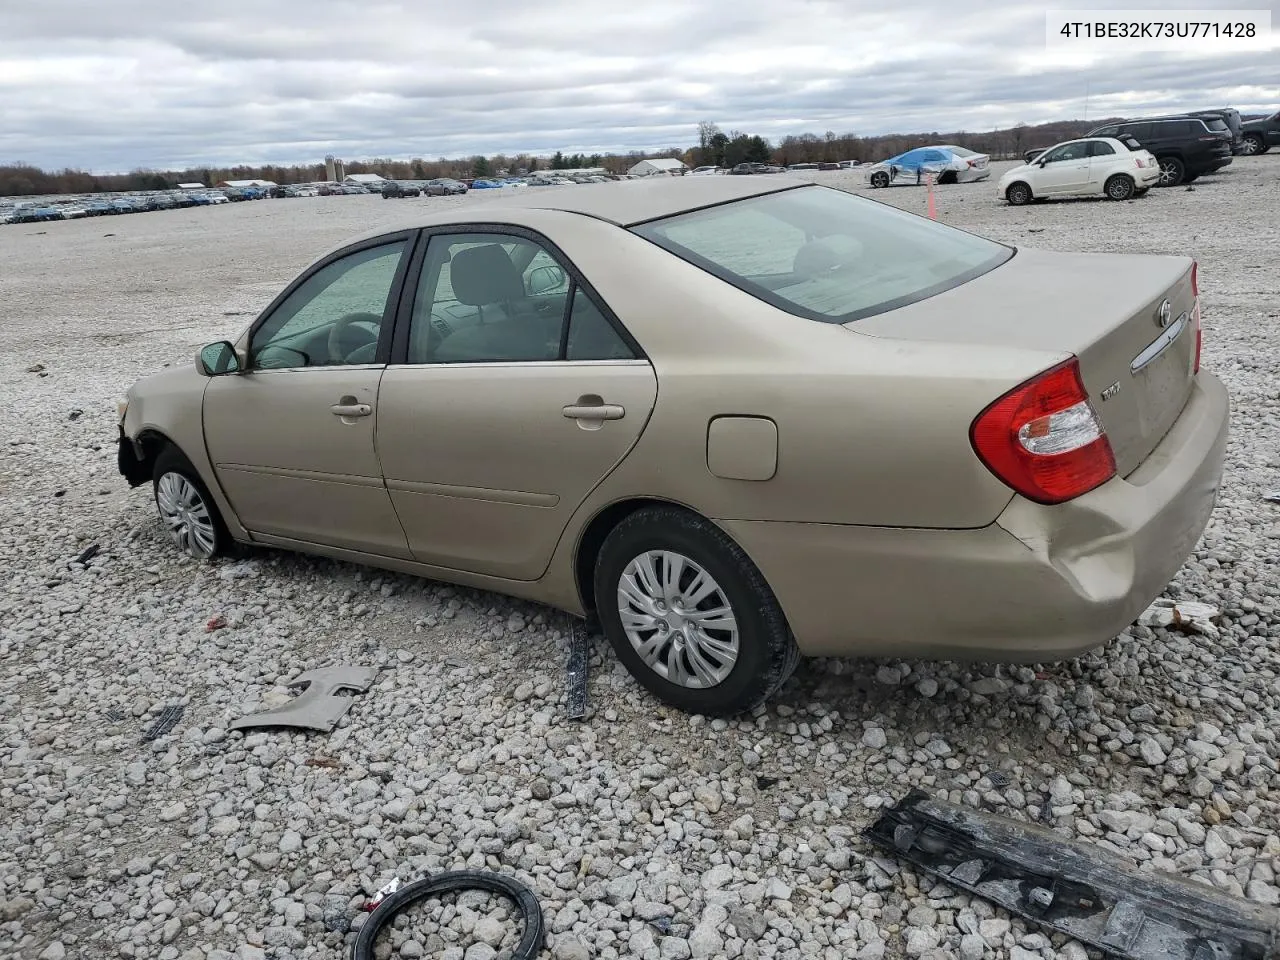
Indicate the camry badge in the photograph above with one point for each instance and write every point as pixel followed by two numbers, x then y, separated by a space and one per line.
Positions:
pixel 1163 315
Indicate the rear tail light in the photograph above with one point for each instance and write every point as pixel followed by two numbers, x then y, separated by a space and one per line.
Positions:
pixel 1195 315
pixel 1044 438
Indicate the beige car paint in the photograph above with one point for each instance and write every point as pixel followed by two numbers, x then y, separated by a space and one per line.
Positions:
pixel 484 467
pixel 877 497
pixel 315 475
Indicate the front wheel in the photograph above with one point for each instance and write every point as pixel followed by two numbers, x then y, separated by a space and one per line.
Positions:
pixel 1119 187
pixel 880 179
pixel 1252 145
pixel 1018 194
pixel 689 614
pixel 187 510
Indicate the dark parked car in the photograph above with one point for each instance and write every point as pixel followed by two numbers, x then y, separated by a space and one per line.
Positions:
pixel 1231 117
pixel 1186 147
pixel 400 188
pixel 1261 134
pixel 752 168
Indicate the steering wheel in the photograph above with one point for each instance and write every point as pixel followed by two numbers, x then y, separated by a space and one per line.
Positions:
pixel 338 351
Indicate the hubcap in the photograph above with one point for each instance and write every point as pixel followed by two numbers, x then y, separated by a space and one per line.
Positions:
pixel 678 619
pixel 1119 190
pixel 185 515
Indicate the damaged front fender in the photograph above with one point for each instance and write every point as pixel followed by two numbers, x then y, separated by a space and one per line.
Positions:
pixel 133 466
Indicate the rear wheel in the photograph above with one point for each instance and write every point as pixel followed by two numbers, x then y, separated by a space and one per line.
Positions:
pixel 1119 187
pixel 689 614
pixel 1172 171
pixel 1252 144
pixel 1018 194
pixel 189 515
pixel 880 179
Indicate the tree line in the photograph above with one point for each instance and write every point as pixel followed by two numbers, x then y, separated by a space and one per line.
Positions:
pixel 714 147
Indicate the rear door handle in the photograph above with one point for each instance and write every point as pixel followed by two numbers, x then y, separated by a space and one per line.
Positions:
pixel 351 409
pixel 598 411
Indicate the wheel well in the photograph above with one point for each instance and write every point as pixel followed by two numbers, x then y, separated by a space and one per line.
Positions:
pixel 593 538
pixel 147 447
pixel 947 176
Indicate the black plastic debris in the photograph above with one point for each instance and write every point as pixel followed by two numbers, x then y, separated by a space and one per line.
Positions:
pixel 1084 891
pixel 999 780
pixel 88 554
pixel 167 720
pixel 764 783
pixel 579 653
pixel 75 415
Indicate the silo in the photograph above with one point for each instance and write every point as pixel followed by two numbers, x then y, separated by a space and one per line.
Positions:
pixel 328 168
pixel 339 171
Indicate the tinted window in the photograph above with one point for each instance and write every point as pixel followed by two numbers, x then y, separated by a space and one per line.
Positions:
pixel 591 335
pixel 1106 132
pixel 1141 131
pixel 486 298
pixel 335 317
pixel 1216 124
pixel 826 254
pixel 1100 148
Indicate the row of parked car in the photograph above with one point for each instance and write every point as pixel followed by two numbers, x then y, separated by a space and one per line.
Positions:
pixel 444 186
pixel 29 211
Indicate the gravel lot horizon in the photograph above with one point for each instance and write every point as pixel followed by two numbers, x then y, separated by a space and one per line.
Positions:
pixel 644 832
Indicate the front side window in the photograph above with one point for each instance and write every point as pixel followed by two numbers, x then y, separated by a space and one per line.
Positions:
pixel 335 317
pixel 826 254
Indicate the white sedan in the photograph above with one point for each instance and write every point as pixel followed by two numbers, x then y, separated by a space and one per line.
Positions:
pixel 1095 166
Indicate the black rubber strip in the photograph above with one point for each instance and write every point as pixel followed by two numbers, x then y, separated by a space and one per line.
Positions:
pixel 442 883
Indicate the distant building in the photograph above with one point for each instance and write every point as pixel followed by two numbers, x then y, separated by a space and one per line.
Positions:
pixel 329 169
pixel 191 186
pixel 246 183
pixel 364 179
pixel 661 165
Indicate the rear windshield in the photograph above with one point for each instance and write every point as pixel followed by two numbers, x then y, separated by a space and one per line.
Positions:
pixel 1217 124
pixel 826 254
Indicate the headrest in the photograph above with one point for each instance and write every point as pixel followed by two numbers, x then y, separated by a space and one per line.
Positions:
pixel 826 255
pixel 483 275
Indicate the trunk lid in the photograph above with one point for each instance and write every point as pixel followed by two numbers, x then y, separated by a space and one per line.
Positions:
pixel 1103 308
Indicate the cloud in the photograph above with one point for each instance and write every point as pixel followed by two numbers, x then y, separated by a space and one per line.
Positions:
pixel 145 83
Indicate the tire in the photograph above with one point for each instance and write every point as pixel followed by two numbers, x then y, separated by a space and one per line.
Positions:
pixel 1119 187
pixel 1172 171
pixel 1018 194
pixel 189 514
pixel 734 668
pixel 1253 145
pixel 880 179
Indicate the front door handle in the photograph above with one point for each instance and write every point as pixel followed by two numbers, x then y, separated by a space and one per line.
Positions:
pixel 351 409
pixel 595 411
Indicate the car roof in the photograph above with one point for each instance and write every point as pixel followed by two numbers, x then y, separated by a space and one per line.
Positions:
pixel 625 202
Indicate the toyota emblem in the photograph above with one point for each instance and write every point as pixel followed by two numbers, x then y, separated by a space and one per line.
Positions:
pixel 1162 315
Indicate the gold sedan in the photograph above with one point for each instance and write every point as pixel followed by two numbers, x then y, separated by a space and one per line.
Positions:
pixel 731 419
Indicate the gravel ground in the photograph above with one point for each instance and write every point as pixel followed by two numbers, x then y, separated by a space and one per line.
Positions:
pixel 646 833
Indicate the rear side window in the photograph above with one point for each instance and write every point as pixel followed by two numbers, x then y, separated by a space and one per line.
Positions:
pixel 825 254
pixel 1100 148
pixel 1140 131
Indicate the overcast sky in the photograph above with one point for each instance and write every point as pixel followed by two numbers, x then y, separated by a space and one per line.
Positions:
pixel 108 86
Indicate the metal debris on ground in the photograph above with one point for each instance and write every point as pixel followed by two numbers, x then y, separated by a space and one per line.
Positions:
pixel 1186 615
pixel 1272 496
pixel 75 415
pixel 579 657
pixel 999 780
pixel 317 707
pixel 381 894
pixel 1082 890
pixel 167 720
pixel 328 763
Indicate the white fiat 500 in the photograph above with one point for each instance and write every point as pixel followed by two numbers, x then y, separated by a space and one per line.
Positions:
pixel 1117 168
